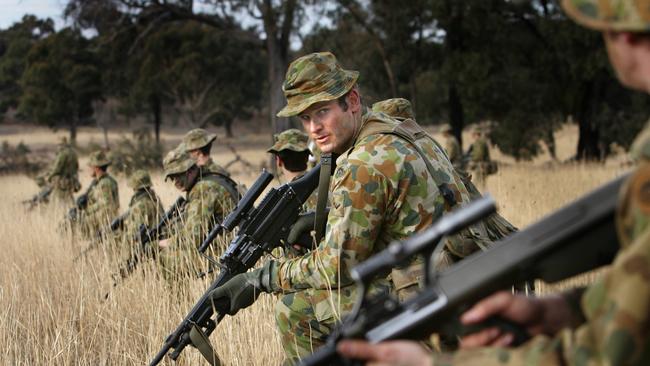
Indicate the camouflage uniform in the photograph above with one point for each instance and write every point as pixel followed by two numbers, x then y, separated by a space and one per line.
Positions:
pixel 294 140
pixel 103 198
pixel 479 160
pixel 452 147
pixel 145 207
pixel 63 177
pixel 198 138
pixel 207 203
pixel 616 308
pixel 381 191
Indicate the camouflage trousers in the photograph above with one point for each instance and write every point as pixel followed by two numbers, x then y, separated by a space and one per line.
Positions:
pixel 306 318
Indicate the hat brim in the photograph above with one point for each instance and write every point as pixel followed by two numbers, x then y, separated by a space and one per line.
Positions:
pixel 292 109
pixel 588 20
pixel 211 138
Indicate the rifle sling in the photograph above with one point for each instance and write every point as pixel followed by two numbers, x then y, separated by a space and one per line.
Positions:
pixel 202 343
pixel 323 192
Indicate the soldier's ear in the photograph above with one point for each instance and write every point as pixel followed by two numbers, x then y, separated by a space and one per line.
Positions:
pixel 354 100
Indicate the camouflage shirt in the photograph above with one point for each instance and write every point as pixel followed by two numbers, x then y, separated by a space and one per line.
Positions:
pixel 144 208
pixel 452 147
pixel 616 308
pixel 480 151
pixel 63 175
pixel 381 191
pixel 103 204
pixel 213 167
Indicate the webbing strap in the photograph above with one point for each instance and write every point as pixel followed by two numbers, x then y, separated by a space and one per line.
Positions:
pixel 202 343
pixel 323 192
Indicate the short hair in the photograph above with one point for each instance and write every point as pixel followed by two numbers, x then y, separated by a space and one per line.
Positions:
pixel 343 103
pixel 294 161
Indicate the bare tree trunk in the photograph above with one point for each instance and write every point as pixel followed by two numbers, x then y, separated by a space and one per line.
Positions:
pixel 73 132
pixel 156 109
pixel 588 134
pixel 456 114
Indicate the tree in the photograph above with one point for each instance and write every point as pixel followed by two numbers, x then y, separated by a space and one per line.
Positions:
pixel 15 43
pixel 61 80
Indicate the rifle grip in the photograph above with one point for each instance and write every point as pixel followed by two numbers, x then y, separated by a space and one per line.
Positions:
pixel 520 334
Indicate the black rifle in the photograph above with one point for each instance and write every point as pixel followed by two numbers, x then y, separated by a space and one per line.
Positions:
pixel 575 239
pixel 39 198
pixel 261 230
pixel 80 203
pixel 116 224
pixel 144 238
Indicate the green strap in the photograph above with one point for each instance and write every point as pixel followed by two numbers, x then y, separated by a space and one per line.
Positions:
pixel 323 191
pixel 202 343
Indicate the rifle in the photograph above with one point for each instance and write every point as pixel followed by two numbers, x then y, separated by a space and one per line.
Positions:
pixel 261 229
pixel 144 237
pixel 575 239
pixel 116 224
pixel 40 197
pixel 80 203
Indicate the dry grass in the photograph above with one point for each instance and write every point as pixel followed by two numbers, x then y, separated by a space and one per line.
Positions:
pixel 52 310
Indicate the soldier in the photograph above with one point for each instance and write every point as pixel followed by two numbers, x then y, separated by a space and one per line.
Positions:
pixel 205 207
pixel 103 198
pixel 63 178
pixel 452 147
pixel 198 143
pixel 479 154
pixel 609 322
pixel 383 190
pixel 145 207
pixel 291 154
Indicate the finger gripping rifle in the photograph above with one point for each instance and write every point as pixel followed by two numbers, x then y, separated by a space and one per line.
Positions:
pixel 261 229
pixel 81 203
pixel 577 238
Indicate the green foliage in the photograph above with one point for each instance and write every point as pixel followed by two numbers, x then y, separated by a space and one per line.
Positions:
pixel 61 80
pixel 15 43
pixel 139 152
pixel 17 159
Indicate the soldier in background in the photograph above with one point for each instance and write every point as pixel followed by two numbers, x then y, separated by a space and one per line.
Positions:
pixel 198 143
pixel 452 146
pixel 145 207
pixel 207 203
pixel 63 177
pixel 103 197
pixel 607 323
pixel 479 158
pixel 291 154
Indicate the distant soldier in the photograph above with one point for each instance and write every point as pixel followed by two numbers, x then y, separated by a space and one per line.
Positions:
pixel 103 198
pixel 145 207
pixel 207 203
pixel 479 163
pixel 198 143
pixel 452 146
pixel 63 177
pixel 291 155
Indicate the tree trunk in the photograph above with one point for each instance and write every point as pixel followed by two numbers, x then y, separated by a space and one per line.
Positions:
pixel 456 114
pixel 156 109
pixel 73 132
pixel 228 126
pixel 588 136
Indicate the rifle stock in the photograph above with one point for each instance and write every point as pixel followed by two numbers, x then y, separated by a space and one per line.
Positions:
pixel 577 238
pixel 261 229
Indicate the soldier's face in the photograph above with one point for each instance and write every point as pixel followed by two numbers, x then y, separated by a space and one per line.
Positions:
pixel 629 54
pixel 331 126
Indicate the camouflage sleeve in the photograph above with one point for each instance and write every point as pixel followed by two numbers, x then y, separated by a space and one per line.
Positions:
pixel 105 200
pixel 352 229
pixel 616 331
pixel 58 167
pixel 199 215
pixel 143 211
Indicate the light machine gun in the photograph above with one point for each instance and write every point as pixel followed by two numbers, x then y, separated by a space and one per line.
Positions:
pixel 261 229
pixel 575 239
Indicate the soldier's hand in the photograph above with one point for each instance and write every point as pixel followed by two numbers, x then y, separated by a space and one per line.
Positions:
pixel 303 225
pixel 536 315
pixel 163 244
pixel 403 353
pixel 238 293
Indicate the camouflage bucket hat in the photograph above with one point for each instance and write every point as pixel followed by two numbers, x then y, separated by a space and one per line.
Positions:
pixel 139 179
pixel 197 138
pixel 292 139
pixel 610 15
pixel 99 158
pixel 395 107
pixel 314 78
pixel 177 161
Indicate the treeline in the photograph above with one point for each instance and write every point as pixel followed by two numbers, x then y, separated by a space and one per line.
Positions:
pixel 520 65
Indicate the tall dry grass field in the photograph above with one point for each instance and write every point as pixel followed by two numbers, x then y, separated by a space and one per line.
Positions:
pixel 52 310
